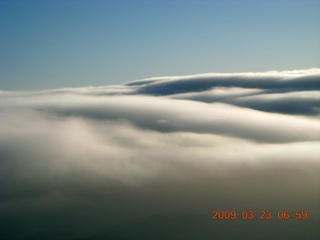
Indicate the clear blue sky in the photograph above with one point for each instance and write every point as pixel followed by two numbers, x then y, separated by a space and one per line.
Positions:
pixel 49 44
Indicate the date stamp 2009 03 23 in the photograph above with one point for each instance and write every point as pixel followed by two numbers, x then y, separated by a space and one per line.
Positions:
pixel 262 214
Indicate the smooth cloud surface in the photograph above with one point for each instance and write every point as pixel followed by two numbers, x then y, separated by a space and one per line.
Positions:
pixel 152 158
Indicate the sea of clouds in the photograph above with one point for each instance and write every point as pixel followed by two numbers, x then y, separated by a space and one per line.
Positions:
pixel 151 159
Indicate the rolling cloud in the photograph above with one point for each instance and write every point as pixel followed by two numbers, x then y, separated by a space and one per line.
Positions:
pixel 152 158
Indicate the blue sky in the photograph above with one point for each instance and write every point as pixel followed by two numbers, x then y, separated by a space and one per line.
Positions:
pixel 51 44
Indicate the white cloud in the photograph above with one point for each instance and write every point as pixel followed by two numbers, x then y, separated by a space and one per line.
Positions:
pixel 92 158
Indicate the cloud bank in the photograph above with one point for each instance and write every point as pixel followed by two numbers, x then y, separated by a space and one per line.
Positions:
pixel 152 158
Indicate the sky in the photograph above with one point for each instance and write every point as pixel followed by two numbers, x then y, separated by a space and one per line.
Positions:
pixel 53 44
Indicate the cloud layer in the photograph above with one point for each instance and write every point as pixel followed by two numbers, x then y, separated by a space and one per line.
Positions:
pixel 152 158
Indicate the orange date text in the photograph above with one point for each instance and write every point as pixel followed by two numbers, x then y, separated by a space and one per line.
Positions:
pixel 264 214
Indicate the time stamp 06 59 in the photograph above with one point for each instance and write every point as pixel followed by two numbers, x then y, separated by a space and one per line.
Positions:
pixel 262 214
